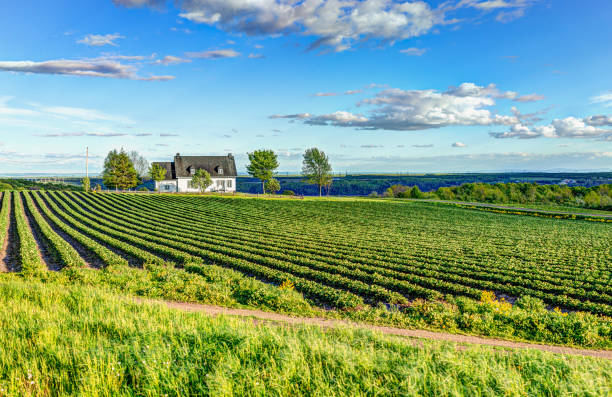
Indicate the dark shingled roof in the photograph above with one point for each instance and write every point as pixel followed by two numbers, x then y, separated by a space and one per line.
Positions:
pixel 182 165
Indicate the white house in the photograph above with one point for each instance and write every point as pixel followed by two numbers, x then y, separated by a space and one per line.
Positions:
pixel 222 170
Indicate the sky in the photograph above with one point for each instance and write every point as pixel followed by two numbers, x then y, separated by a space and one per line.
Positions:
pixel 379 85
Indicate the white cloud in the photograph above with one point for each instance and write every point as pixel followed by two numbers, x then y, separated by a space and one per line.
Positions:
pixel 326 94
pixel 91 68
pixel 569 127
pixel 405 110
pixel 335 24
pixel 77 134
pixel 257 56
pixel 171 60
pixel 459 144
pixel 413 51
pixel 529 98
pixel 605 99
pixel 97 40
pixel 214 54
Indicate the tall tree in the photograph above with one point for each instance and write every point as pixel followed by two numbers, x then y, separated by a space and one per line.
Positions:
pixel 157 173
pixel 201 180
pixel 119 172
pixel 316 168
pixel 141 165
pixel 262 165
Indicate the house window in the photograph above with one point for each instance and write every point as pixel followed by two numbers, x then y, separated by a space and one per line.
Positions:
pixel 219 183
pixel 192 170
pixel 229 183
pixel 166 187
pixel 220 171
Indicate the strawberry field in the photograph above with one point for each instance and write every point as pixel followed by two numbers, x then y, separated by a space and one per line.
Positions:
pixel 339 253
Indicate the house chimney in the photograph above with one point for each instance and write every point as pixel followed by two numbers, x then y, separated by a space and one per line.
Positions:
pixel 178 155
pixel 230 156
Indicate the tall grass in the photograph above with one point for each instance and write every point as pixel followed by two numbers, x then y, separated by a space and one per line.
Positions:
pixel 71 340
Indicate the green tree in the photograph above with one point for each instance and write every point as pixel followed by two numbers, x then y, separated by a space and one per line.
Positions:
pixel 86 184
pixel 119 172
pixel 272 185
pixel 157 173
pixel 262 165
pixel 201 180
pixel 316 168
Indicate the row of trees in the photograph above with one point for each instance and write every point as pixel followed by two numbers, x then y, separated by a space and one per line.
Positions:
pixel 124 170
pixel 513 193
pixel 316 169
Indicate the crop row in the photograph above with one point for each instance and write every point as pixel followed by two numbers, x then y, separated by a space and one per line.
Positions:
pixel 157 230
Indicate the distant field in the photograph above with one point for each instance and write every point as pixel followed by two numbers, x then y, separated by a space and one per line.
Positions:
pixel 339 253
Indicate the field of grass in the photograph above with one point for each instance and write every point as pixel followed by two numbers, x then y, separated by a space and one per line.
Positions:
pixel 406 264
pixel 75 340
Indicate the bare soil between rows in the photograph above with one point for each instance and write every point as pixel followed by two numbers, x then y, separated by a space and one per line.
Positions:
pixel 411 333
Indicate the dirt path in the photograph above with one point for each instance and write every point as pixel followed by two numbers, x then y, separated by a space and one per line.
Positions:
pixel 412 333
pixel 505 207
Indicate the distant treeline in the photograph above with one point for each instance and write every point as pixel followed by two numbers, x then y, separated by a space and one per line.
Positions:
pixel 363 185
pixel 599 197
pixel 27 184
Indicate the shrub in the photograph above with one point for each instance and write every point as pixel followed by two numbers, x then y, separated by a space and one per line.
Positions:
pixel 5 186
pixel 288 193
pixel 143 189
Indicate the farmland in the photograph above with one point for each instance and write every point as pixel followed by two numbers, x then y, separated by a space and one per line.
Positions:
pixel 340 254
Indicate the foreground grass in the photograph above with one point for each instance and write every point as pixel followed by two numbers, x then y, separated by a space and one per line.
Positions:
pixel 529 320
pixel 60 340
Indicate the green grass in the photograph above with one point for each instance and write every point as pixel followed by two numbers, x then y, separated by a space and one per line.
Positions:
pixel 71 340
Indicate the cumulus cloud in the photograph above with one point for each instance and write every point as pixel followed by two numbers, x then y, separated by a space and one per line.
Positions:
pixel 569 127
pixel 406 110
pixel 98 40
pixel 91 68
pixel 599 120
pixel 214 54
pixel 256 56
pixel 413 51
pixel 459 144
pixel 334 24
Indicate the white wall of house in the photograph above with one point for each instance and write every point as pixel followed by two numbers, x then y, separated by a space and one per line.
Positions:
pixel 184 185
pixel 166 186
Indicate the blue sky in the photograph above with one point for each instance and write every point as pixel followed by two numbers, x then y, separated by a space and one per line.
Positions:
pixel 460 85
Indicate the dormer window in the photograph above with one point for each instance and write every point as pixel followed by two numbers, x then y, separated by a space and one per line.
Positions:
pixel 192 170
pixel 219 170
